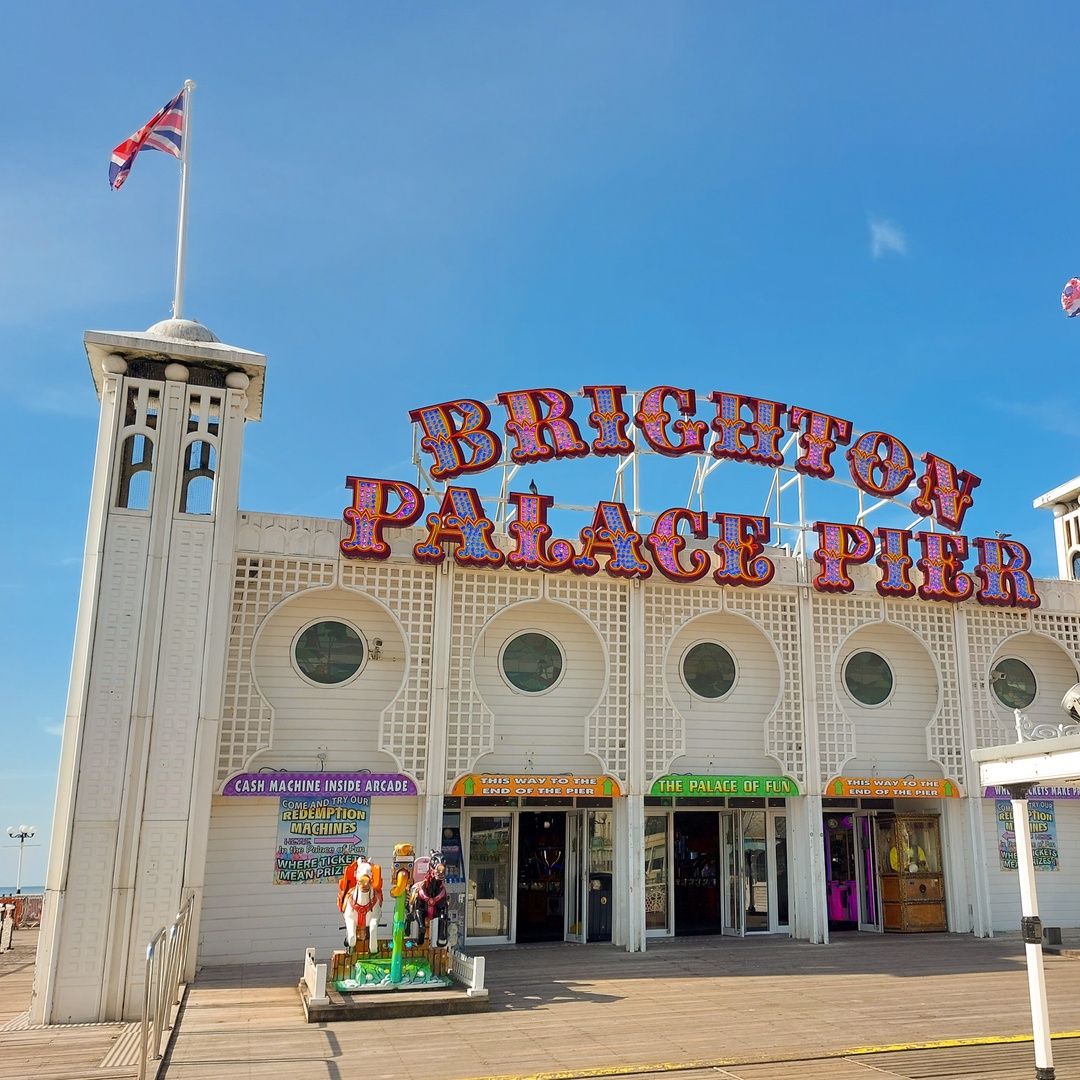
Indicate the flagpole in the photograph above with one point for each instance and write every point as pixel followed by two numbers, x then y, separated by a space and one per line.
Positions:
pixel 181 227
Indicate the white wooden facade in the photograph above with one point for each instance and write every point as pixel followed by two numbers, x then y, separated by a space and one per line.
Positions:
pixel 184 677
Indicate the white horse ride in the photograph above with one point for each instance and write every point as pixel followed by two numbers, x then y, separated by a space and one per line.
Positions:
pixel 361 903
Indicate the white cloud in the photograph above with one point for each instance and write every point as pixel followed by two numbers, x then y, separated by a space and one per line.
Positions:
pixel 886 237
pixel 1051 414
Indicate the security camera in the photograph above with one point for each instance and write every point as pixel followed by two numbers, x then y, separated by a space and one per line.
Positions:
pixel 377 642
pixel 1071 701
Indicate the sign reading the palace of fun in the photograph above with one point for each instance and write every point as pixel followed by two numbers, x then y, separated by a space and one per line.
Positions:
pixel 461 439
pixel 707 786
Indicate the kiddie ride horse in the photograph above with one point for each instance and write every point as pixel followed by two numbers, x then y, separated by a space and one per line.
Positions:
pixel 360 901
pixel 428 902
pixel 418 887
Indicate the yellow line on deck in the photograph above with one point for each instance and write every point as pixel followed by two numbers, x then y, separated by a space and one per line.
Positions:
pixel 764 1059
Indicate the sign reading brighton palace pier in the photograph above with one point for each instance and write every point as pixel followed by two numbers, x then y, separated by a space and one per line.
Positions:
pixel 461 439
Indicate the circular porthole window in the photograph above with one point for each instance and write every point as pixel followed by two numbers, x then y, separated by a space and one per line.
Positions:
pixel 868 678
pixel 1013 683
pixel 532 662
pixel 708 670
pixel 328 653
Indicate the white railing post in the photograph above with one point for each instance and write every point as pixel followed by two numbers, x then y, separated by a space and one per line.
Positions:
pixel 148 1007
pixel 161 991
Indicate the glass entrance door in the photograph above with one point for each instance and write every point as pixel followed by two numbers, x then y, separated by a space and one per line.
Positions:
pixel 734 905
pixel 600 864
pixel 575 876
pixel 866 874
pixel 488 876
pixel 756 867
pixel 657 897
pixel 779 904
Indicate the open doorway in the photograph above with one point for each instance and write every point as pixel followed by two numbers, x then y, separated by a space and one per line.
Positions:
pixel 541 879
pixel 851 881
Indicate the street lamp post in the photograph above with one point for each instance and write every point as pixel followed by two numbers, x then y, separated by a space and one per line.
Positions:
pixel 22 833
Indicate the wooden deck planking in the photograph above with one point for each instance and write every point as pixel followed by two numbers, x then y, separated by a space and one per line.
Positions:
pixel 742 1010
pixel 770 1006
pixel 61 1052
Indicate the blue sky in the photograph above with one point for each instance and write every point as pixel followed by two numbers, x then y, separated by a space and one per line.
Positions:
pixel 858 208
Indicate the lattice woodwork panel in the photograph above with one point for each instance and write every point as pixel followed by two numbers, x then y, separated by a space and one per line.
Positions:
pixel 934 626
pixel 606 604
pixel 667 608
pixel 1062 627
pixel 259 584
pixel 835 617
pixel 987 629
pixel 777 613
pixel 409 592
pixel 470 729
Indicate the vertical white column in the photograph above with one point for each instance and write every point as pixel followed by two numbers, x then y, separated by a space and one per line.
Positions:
pixel 222 574
pixel 812 917
pixel 1061 541
pixel 133 863
pixel 1031 928
pixel 46 971
pixel 979 876
pixel 632 819
pixel 431 811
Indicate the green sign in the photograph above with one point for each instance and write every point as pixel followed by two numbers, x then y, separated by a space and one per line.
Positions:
pixel 712 786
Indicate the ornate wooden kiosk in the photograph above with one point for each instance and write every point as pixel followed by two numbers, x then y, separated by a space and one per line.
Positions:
pixel 909 865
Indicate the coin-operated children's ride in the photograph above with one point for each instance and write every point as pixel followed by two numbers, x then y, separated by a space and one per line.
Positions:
pixel 403 864
pixel 429 902
pixel 368 965
pixel 360 900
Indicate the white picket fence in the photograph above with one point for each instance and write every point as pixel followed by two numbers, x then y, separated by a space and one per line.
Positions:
pixel 469 971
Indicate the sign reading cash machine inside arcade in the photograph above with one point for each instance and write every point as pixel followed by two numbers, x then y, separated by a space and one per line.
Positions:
pixel 323 819
pixel 461 438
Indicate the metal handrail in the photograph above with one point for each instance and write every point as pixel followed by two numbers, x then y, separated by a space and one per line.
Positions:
pixel 161 989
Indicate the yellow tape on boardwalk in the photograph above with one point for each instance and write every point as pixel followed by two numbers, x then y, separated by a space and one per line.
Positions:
pixel 766 1059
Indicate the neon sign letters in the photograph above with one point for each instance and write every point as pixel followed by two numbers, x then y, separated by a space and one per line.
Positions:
pixel 460 438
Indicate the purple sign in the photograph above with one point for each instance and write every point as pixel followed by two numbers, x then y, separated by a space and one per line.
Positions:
pixel 312 785
pixel 1055 791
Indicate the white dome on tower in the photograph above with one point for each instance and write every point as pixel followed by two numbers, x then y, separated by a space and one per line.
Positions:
pixel 182 330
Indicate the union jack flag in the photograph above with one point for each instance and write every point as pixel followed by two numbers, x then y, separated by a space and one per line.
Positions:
pixel 1070 298
pixel 164 132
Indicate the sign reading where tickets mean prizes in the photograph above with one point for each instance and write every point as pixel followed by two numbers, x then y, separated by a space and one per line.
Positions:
pixel 318 838
pixel 1043 827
